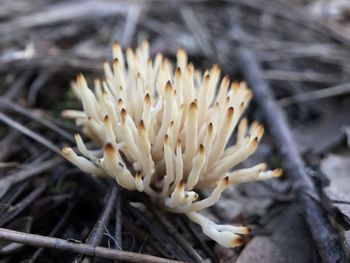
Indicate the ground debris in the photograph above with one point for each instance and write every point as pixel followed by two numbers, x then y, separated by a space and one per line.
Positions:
pixel 288 242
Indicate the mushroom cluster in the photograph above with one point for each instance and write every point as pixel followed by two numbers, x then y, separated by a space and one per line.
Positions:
pixel 164 131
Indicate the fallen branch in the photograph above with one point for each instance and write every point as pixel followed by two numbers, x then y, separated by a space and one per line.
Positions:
pixel 35 136
pixel 26 173
pixel 6 103
pixel 337 90
pixel 100 227
pixel 15 210
pixel 174 233
pixel 325 236
pixel 118 221
pixel 61 244
pixel 171 246
pixel 62 221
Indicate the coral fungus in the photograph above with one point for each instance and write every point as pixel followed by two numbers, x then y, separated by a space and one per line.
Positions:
pixel 164 131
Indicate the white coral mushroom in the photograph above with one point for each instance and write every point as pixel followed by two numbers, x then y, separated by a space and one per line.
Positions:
pixel 164 132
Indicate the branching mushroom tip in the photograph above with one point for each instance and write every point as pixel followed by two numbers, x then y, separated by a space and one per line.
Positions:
pixel 165 130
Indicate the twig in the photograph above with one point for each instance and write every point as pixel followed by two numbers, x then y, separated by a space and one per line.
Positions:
pixel 135 10
pixel 12 196
pixel 63 13
pixel 300 76
pixel 199 240
pixel 8 181
pixel 5 143
pixel 199 32
pixel 317 94
pixel 118 221
pixel 291 14
pixel 17 85
pixel 324 235
pixel 19 207
pixel 173 232
pixel 29 133
pixel 37 84
pixel 57 63
pixel 96 234
pixel 8 164
pixel 170 245
pixel 132 229
pixel 55 230
pixel 61 244
pixel 17 108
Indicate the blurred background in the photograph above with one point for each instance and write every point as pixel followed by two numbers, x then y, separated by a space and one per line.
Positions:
pixel 303 49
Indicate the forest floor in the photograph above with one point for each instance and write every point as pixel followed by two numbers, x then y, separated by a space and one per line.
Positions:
pixel 295 55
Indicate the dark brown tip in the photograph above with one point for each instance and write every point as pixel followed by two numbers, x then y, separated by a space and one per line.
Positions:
pixel 148 99
pixel 168 86
pixel 210 127
pixel 109 149
pixel 178 72
pixel 193 105
pixel 201 149
pixel 230 112
pixel 80 78
pixel 166 139
pixel 123 114
pixel 254 143
pixel 142 125
pixel 181 184
pixel 237 241
pixel 226 180
pixel 138 174
pixel 179 142
pixel 278 172
pixel 106 118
